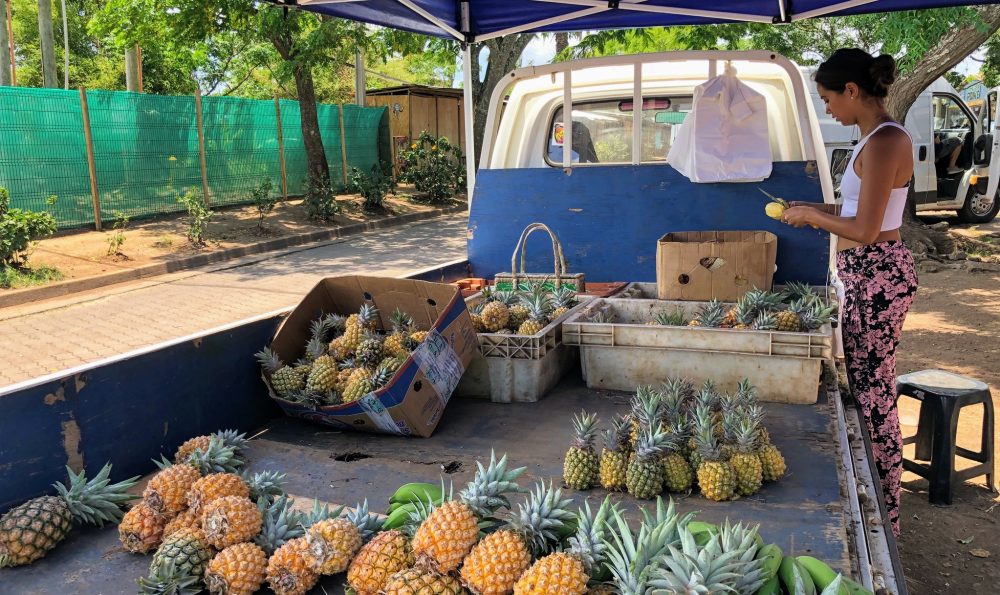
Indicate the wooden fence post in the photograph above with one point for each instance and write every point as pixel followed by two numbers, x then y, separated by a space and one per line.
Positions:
pixel 91 165
pixel 201 145
pixel 343 145
pixel 281 150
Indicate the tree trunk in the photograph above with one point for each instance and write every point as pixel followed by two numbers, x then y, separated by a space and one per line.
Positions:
pixel 505 55
pixel 132 69
pixel 4 47
pixel 47 42
pixel 951 49
pixel 562 42
pixel 319 169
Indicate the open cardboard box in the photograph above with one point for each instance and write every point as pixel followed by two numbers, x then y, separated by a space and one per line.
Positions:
pixel 414 399
pixel 721 265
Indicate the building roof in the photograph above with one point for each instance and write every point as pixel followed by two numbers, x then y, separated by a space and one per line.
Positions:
pixel 416 90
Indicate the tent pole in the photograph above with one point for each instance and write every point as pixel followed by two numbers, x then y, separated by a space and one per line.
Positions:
pixel 469 108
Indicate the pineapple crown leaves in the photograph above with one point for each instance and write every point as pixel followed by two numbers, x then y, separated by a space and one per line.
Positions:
pixel 233 438
pixel 741 540
pixel 585 428
pixel 367 313
pixel 647 406
pixel 335 322
pixel 798 291
pixel 281 524
pixel 817 315
pixel 711 314
pixel 507 298
pixel 691 569
pixel 319 513
pixel 673 317
pixel 765 321
pixel 631 557
pixel 267 485
pixel 539 518
pixel 167 579
pixel 588 542
pixel 746 434
pixel 217 458
pixel 603 317
pixel 746 390
pixel 97 501
pixel 315 348
pixel 401 321
pixel 564 297
pixel 368 524
pixel 163 463
pixel 269 360
pixel 614 434
pixel 652 441
pixel 484 495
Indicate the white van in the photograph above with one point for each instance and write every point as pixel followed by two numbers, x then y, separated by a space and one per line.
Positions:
pixel 938 114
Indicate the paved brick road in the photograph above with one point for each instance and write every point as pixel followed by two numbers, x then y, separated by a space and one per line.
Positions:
pixel 38 340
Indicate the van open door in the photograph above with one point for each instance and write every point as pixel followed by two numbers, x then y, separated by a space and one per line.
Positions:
pixel 990 126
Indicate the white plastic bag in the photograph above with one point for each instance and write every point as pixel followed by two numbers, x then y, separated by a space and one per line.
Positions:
pixel 725 137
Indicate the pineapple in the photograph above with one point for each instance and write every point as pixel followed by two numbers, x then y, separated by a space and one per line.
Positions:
pixel 746 310
pixel 229 438
pixel 237 570
pixel 366 318
pixel 230 520
pixel 519 313
pixel 186 550
pixel 387 553
pixel 631 558
pixel 31 530
pixel 538 306
pixel 363 382
pixel 677 475
pixel 370 351
pixel 288 572
pixel 563 298
pixel 323 376
pixel 790 320
pixel 499 559
pixel 581 466
pixel 644 478
pixel 338 349
pixel 816 316
pixel 743 543
pixel 280 523
pixel 672 318
pixel 746 464
pixel 401 324
pixel 614 456
pixel 141 529
pixel 715 475
pixel 284 379
pixel 422 581
pixel 188 519
pixel 799 291
pixel 415 339
pixel 495 316
pixel 214 486
pixel 166 492
pixel 710 315
pixel 447 535
pixel 603 317
pixel 771 461
pixel 567 572
pixel 332 543
pixel 647 410
pixel 476 313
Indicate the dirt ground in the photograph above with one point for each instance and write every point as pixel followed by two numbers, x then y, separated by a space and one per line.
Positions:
pixel 953 325
pixel 81 253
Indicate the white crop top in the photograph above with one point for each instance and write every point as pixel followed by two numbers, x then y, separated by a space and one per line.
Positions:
pixel 850 188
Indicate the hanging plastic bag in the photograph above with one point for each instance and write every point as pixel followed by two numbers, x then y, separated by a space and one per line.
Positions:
pixel 725 137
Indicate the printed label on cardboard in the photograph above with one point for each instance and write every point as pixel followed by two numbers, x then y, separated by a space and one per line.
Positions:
pixel 379 414
pixel 439 363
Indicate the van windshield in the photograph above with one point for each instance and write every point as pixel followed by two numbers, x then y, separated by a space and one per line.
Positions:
pixel 602 130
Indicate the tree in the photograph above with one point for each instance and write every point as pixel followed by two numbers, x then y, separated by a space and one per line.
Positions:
pixel 955 79
pixel 47 44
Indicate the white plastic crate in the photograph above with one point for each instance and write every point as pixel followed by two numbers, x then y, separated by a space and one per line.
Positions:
pixel 784 366
pixel 508 380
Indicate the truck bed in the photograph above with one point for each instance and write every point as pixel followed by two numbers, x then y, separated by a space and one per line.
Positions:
pixel 806 512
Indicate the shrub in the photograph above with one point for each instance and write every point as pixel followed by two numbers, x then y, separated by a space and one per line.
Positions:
pixel 116 239
pixel 434 166
pixel 198 215
pixel 19 229
pixel 372 187
pixel 261 198
pixel 320 200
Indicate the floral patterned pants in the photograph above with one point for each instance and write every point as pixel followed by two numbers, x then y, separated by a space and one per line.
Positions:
pixel 879 285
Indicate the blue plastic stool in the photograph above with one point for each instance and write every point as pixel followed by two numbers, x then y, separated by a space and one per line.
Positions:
pixel 942 396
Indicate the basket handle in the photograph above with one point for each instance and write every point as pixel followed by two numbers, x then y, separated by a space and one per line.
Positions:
pixel 559 261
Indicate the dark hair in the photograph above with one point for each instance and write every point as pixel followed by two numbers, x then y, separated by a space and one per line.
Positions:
pixel 872 75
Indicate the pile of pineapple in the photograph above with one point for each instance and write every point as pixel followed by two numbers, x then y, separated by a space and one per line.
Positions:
pixel 674 437
pixel 345 358
pixel 796 309
pixel 520 312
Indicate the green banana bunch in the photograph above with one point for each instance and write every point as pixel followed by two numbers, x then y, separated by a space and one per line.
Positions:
pixel 795 578
pixel 824 576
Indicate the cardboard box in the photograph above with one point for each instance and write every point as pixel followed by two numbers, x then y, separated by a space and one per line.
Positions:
pixel 412 402
pixel 722 265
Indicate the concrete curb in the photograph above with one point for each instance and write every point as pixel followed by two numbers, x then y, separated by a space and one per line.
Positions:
pixel 62 288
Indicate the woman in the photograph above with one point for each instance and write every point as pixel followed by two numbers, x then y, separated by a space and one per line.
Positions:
pixel 874 266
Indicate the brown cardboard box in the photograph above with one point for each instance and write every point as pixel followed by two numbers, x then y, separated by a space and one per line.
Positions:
pixel 413 401
pixel 722 265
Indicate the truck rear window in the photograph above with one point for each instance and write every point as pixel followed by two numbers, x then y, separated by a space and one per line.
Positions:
pixel 602 130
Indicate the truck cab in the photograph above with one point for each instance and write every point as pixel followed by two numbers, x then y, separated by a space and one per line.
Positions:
pixel 939 122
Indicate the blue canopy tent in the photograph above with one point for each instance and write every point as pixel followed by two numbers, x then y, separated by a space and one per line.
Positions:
pixel 473 21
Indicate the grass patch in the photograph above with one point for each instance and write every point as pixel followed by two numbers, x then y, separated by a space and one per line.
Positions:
pixel 15 278
pixel 163 243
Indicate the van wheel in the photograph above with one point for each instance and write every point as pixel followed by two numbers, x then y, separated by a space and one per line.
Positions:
pixel 978 208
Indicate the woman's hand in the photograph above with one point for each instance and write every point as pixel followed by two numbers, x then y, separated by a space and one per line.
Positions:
pixel 798 216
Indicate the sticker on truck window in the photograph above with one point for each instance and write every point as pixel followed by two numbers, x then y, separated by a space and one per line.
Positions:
pixel 440 364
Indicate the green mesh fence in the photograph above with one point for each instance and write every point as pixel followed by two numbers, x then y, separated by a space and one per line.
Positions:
pixel 146 149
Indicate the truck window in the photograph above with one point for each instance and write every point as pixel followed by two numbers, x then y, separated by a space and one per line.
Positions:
pixel 602 130
pixel 949 116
